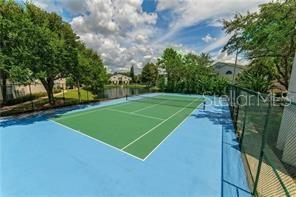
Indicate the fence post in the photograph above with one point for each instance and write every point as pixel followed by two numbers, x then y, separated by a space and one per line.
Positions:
pixel 231 100
pixel 78 91
pixel 64 93
pixel 244 124
pixel 87 95
pixel 263 141
pixel 237 107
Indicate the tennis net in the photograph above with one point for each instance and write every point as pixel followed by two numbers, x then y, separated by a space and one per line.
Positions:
pixel 174 101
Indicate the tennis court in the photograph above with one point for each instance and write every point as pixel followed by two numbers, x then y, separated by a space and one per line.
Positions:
pixel 157 144
pixel 136 127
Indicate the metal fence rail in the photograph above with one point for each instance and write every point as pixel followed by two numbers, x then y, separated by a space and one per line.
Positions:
pixel 33 97
pixel 266 128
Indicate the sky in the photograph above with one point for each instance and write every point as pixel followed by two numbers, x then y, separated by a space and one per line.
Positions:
pixel 134 32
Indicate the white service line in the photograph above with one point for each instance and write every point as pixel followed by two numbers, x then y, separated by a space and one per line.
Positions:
pixel 150 106
pixel 80 113
pixel 157 125
pixel 171 132
pixel 134 114
pixel 96 140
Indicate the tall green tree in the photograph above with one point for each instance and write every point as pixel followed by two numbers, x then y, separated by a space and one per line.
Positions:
pixel 14 36
pixel 53 48
pixel 132 73
pixel 35 44
pixel 171 63
pixel 149 74
pixel 189 73
pixel 96 75
pixel 196 68
pixel 90 71
pixel 267 35
pixel 258 76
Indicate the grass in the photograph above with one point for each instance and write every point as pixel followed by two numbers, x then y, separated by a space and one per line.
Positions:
pixel 71 98
pixel 135 128
pixel 73 94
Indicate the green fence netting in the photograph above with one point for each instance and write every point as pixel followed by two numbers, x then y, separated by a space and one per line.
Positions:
pixel 20 98
pixel 266 129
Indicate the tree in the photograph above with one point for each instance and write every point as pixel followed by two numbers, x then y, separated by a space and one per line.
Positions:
pixel 171 62
pixel 90 71
pixel 267 35
pixel 21 75
pixel 132 73
pixel 53 48
pixel 189 73
pixel 196 68
pixel 39 45
pixel 149 74
pixel 258 76
pixel 96 75
pixel 14 35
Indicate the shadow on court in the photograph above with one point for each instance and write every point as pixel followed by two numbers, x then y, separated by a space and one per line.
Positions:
pixel 234 181
pixel 27 119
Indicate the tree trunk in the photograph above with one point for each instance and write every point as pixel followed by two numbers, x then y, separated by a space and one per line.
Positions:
pixel 235 65
pixel 78 91
pixel 48 84
pixel 284 75
pixel 3 87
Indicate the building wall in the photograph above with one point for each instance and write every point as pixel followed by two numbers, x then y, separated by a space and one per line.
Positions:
pixel 119 79
pixel 287 134
pixel 15 91
pixel 226 71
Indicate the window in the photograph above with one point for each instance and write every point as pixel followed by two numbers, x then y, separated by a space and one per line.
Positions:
pixel 229 72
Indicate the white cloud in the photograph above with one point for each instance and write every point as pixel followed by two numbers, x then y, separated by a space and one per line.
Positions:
pixel 230 58
pixel 119 30
pixel 217 22
pixel 124 35
pixel 190 12
pixel 76 6
pixel 208 38
pixel 220 42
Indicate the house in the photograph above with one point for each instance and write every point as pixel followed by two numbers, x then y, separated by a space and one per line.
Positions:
pixel 119 79
pixel 17 90
pixel 227 69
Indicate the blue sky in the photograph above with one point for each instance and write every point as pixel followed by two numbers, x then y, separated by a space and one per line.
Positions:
pixel 133 32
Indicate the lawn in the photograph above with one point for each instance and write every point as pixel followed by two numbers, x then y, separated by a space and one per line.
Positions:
pixel 73 94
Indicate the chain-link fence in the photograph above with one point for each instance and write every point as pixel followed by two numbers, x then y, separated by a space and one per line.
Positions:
pixel 266 129
pixel 21 98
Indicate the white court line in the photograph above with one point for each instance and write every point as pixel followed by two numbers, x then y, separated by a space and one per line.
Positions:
pixel 171 133
pixel 148 107
pixel 134 114
pixel 96 140
pixel 121 150
pixel 157 125
pixel 75 114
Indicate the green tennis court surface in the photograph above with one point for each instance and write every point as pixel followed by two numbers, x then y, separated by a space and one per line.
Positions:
pixel 135 127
